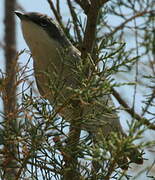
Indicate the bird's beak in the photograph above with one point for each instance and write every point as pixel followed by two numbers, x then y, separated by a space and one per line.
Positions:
pixel 19 14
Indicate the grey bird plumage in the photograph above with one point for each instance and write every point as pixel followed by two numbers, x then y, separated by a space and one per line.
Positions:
pixel 55 59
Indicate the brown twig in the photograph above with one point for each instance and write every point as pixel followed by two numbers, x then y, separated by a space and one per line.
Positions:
pixel 75 21
pixel 70 156
pixel 56 14
pixel 121 26
pixel 58 6
pixel 131 111
pixel 90 31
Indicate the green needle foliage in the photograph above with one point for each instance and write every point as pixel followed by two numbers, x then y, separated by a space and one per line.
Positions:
pixel 50 146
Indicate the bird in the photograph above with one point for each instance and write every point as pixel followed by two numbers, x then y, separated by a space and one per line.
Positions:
pixel 56 62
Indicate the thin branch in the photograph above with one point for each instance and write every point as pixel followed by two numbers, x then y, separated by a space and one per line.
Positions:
pixel 84 4
pixel 131 111
pixel 90 31
pixel 121 26
pixel 70 156
pixel 75 21
pixel 58 6
pixel 56 14
pixel 152 97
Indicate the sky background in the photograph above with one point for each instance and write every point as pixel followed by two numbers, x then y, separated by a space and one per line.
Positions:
pixel 43 7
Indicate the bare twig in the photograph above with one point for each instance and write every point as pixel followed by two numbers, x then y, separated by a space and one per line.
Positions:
pixel 58 6
pixel 85 5
pixel 131 111
pixel 75 21
pixel 121 26
pixel 90 31
pixel 56 13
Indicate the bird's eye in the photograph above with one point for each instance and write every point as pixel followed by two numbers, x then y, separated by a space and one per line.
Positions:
pixel 43 23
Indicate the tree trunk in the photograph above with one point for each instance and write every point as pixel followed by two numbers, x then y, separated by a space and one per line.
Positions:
pixel 9 95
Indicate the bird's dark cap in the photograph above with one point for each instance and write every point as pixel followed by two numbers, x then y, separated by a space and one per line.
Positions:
pixel 47 24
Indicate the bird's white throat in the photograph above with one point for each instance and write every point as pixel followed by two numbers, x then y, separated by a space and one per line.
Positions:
pixel 44 49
